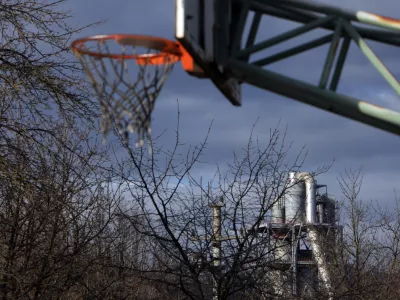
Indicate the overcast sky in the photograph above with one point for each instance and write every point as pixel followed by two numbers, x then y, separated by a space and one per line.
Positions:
pixel 327 137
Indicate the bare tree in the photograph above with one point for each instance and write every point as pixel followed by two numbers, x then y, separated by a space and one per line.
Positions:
pixel 365 261
pixel 40 79
pixel 51 201
pixel 59 232
pixel 188 253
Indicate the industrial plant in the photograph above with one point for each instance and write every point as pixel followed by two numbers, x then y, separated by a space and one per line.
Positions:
pixel 302 226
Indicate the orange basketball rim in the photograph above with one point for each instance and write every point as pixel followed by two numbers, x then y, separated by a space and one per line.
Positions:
pixel 168 52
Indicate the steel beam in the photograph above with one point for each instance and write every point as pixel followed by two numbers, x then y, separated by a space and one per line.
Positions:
pixel 301 16
pixel 343 28
pixel 343 105
pixel 340 63
pixel 330 58
pixel 294 51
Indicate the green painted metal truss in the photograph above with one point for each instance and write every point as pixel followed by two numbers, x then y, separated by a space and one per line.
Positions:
pixel 344 26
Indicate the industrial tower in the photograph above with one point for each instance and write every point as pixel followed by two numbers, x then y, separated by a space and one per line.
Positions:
pixel 302 230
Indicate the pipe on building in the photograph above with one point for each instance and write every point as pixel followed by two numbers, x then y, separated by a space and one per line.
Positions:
pixel 312 232
pixel 320 260
pixel 320 212
pixel 310 196
pixel 295 242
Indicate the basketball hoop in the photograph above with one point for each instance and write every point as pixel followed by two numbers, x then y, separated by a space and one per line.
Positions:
pixel 127 73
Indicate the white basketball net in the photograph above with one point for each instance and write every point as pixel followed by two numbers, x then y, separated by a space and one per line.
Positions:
pixel 127 91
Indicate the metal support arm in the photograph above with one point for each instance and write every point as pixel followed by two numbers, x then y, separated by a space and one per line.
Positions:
pixel 344 26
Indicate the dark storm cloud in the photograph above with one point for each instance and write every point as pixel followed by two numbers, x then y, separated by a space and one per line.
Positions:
pixel 326 136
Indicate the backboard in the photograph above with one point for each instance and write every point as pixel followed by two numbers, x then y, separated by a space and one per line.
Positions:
pixel 195 29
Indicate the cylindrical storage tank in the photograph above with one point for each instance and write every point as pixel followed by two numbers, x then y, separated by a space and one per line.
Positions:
pixel 295 195
pixel 278 211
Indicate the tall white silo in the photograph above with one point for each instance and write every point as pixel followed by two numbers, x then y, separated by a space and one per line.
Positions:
pixel 295 196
